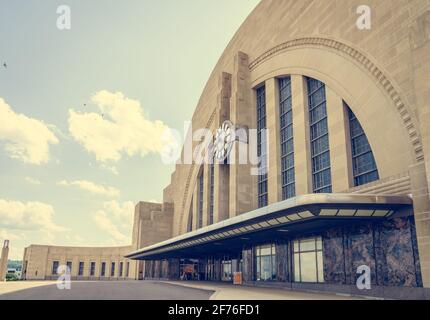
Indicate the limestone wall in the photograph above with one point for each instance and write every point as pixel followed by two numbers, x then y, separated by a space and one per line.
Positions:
pixel 380 73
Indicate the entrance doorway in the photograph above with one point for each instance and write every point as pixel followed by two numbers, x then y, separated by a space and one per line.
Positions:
pixel 188 269
pixel 226 271
pixel 210 270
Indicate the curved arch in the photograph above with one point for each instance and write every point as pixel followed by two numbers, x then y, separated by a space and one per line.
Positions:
pixel 359 58
pixel 186 200
pixel 361 151
pixel 194 173
pixel 365 63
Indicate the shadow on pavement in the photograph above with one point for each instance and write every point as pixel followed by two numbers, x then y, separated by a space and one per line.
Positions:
pixel 110 290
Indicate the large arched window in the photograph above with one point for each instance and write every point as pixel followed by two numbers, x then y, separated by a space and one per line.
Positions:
pixel 211 193
pixel 200 191
pixel 190 218
pixel 261 147
pixel 319 139
pixel 286 136
pixel 363 162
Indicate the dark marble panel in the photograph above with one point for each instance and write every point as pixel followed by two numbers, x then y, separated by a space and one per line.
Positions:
pixel 164 269
pixel 173 269
pixel 396 239
pixel 149 269
pixel 415 252
pixel 247 265
pixel 389 248
pixel 157 269
pixel 282 262
pixel 380 256
pixel 152 270
pixel 217 270
pixel 334 258
pixel 361 247
pixel 349 274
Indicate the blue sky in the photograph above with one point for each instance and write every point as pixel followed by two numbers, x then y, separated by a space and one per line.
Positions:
pixel 73 161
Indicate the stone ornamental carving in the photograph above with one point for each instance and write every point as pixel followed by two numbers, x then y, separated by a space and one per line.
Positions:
pixel 224 139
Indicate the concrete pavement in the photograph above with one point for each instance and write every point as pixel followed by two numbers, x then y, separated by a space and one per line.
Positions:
pixel 100 290
pixel 151 290
pixel 232 292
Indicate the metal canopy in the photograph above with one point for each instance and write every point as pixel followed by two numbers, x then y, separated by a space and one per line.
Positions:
pixel 296 215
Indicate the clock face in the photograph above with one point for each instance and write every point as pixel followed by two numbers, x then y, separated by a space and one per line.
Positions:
pixel 224 139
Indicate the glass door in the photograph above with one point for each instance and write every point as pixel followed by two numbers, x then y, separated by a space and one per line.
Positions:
pixel 210 269
pixel 226 271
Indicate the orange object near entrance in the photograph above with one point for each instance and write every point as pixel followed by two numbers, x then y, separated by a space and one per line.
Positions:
pixel 189 269
pixel 237 278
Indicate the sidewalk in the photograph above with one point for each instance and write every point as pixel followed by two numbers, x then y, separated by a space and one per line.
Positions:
pixel 232 292
pixel 13 286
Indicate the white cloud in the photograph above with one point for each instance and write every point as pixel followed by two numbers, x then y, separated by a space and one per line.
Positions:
pixel 120 127
pixel 106 224
pixel 152 201
pixel 122 211
pixel 75 239
pixel 30 216
pixel 28 223
pixel 116 220
pixel 111 169
pixel 26 139
pixel 7 235
pixel 91 187
pixel 31 180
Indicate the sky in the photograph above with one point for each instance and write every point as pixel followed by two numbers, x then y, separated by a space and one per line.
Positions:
pixel 86 113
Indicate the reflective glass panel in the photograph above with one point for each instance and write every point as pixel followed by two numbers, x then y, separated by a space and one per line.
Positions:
pixel 308 267
pixel 308 260
pixel 321 172
pixel 363 161
pixel 261 147
pixel 286 134
pixel 265 259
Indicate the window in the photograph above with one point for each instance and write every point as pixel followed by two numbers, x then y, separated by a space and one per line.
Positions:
pixel 266 262
pixel 308 260
pixel 24 270
pixel 120 268
pixel 103 269
pixel 200 197
pixel 190 217
pixel 261 147
pixel 112 269
pixel 211 193
pixel 69 266
pixel 210 269
pixel 320 151
pixel 81 269
pixel 363 161
pixel 127 269
pixel 188 269
pixel 226 270
pixel 55 265
pixel 287 141
pixel 92 268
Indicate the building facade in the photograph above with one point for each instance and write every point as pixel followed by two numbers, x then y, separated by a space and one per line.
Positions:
pixel 338 199
pixel 43 262
pixel 152 222
pixel 341 117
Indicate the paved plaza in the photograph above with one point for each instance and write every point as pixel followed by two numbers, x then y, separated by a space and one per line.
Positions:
pixel 149 290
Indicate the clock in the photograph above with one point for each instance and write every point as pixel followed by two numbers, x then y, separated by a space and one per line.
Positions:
pixel 225 136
